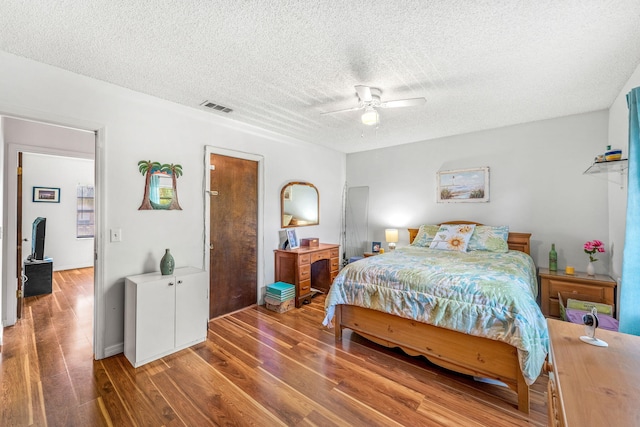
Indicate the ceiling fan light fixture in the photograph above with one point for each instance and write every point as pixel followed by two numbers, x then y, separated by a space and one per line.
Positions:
pixel 370 117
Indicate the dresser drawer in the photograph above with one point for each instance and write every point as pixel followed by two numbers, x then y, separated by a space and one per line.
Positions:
pixel 335 253
pixel 335 264
pixel 304 287
pixel 333 275
pixel 304 259
pixel 317 256
pixel 304 272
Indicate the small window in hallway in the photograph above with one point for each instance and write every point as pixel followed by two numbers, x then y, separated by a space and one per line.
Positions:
pixel 85 217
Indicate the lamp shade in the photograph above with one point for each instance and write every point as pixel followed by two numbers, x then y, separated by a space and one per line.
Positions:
pixel 391 235
pixel 370 116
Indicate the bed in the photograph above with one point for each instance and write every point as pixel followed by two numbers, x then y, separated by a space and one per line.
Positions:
pixel 452 322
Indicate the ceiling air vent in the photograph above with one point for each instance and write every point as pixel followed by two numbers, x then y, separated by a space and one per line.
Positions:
pixel 217 107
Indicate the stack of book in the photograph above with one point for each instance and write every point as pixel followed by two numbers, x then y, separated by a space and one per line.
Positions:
pixel 280 297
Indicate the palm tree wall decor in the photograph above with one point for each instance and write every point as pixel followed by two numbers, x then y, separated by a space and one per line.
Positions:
pixel 158 193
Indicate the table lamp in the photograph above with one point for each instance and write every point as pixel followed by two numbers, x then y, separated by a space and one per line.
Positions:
pixel 391 236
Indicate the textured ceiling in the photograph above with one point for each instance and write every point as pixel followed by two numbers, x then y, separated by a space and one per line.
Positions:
pixel 279 64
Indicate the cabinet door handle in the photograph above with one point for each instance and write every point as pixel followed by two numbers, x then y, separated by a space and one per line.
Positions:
pixel 179 282
pixel 170 283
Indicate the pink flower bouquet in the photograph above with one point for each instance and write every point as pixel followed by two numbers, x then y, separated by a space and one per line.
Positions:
pixel 592 247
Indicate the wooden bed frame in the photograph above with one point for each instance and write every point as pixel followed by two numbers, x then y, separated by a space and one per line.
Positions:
pixel 467 354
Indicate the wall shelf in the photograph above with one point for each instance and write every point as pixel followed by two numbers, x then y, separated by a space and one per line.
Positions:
pixel 618 166
pixel 612 166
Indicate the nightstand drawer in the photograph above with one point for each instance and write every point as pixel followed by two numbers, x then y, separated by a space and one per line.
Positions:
pixel 580 286
pixel 576 291
pixel 554 307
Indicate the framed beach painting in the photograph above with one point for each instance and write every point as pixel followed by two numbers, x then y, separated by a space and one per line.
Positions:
pixel 463 185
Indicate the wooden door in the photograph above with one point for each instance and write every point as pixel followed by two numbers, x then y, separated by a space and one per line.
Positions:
pixel 233 236
pixel 20 278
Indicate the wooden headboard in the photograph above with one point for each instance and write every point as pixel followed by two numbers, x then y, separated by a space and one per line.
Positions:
pixel 516 241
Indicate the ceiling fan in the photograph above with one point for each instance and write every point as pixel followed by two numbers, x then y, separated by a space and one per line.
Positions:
pixel 370 102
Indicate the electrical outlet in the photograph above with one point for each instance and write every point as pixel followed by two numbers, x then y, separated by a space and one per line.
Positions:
pixel 116 235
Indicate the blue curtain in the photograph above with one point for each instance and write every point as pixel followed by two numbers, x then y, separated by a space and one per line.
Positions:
pixel 630 290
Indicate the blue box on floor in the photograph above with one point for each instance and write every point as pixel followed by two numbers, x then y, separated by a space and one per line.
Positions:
pixel 281 291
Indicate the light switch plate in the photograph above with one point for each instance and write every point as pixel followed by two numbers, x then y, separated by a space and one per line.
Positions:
pixel 116 235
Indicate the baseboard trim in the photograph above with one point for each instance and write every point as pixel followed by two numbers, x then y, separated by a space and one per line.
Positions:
pixel 113 350
pixel 70 267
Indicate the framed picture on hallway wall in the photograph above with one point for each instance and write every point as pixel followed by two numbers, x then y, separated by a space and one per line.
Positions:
pixel 46 194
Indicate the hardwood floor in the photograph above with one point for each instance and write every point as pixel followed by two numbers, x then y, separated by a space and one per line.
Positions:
pixel 257 368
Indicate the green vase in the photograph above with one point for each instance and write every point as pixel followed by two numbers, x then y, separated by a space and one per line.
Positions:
pixel 553 258
pixel 167 263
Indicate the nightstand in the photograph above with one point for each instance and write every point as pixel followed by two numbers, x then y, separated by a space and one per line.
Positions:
pixel 368 254
pixel 580 286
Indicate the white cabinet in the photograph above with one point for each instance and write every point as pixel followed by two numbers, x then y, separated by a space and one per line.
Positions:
pixel 164 314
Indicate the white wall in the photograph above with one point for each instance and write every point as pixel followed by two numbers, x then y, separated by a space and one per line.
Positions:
pixel 536 184
pixel 67 174
pixel 2 233
pixel 619 138
pixel 137 127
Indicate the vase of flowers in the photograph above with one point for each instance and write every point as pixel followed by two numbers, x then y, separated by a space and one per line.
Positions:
pixel 591 248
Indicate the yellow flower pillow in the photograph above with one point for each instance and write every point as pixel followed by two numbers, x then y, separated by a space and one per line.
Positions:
pixel 453 237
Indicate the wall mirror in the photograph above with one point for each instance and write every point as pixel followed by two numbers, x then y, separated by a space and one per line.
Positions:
pixel 300 205
pixel 160 188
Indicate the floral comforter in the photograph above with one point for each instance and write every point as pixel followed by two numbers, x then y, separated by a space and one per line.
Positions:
pixel 480 293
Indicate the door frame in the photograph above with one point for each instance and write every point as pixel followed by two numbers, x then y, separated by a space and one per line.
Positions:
pixel 9 212
pixel 209 150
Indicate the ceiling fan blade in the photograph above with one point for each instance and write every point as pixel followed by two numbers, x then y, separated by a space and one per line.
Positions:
pixel 342 111
pixel 411 102
pixel 364 93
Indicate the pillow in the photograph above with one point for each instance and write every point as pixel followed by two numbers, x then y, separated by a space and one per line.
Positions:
pixel 425 235
pixel 453 237
pixel 488 238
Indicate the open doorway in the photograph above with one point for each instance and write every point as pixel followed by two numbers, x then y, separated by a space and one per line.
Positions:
pixel 58 226
pixel 58 174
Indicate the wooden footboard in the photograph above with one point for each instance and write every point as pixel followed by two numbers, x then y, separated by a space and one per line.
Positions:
pixel 452 350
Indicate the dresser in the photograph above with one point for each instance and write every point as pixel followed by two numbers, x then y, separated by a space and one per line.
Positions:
pixel 164 314
pixel 598 288
pixel 592 386
pixel 307 268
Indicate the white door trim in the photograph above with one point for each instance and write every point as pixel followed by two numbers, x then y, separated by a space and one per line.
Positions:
pixel 9 208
